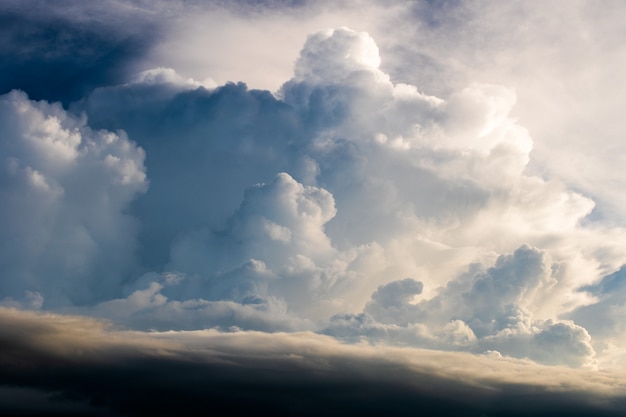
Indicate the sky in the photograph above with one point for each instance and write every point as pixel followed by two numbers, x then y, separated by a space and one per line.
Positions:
pixel 312 208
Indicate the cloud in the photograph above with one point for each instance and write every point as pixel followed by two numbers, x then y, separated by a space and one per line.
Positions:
pixel 271 268
pixel 389 231
pixel 394 302
pixel 273 245
pixel 286 373
pixel 561 58
pixel 484 309
pixel 65 193
pixel 397 292
pixel 61 51
pixel 240 32
pixel 276 221
pixel 197 139
pixel 147 308
pixel 334 55
pixel 603 317
pixel 285 211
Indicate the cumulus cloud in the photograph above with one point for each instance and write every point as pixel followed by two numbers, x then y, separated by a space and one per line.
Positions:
pixel 484 309
pixel 274 221
pixel 303 210
pixel 272 244
pixel 65 193
pixel 392 303
pixel 206 147
pixel 553 83
pixel 352 243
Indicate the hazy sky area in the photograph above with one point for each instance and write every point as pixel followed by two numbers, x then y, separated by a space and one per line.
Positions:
pixel 312 208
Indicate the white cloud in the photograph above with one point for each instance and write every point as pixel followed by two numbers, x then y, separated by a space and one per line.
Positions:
pixel 65 195
pixel 360 181
pixel 563 60
pixel 157 76
pixel 221 40
pixel 421 222
pixel 334 55
pixel 279 226
pixel 378 181
pixel 484 309
pixel 147 308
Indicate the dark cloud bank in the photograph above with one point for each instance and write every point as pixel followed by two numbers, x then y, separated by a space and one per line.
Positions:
pixel 66 365
pixel 61 50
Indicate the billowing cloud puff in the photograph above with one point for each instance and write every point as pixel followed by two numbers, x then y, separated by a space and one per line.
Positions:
pixel 65 194
pixel 279 226
pixel 484 309
pixel 275 221
pixel 393 300
pixel 273 245
pixel 333 55
pixel 205 148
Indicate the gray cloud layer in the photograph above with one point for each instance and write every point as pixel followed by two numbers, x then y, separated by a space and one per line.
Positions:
pixel 53 359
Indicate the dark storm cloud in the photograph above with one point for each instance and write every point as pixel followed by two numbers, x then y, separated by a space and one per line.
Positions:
pixel 68 365
pixel 60 50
